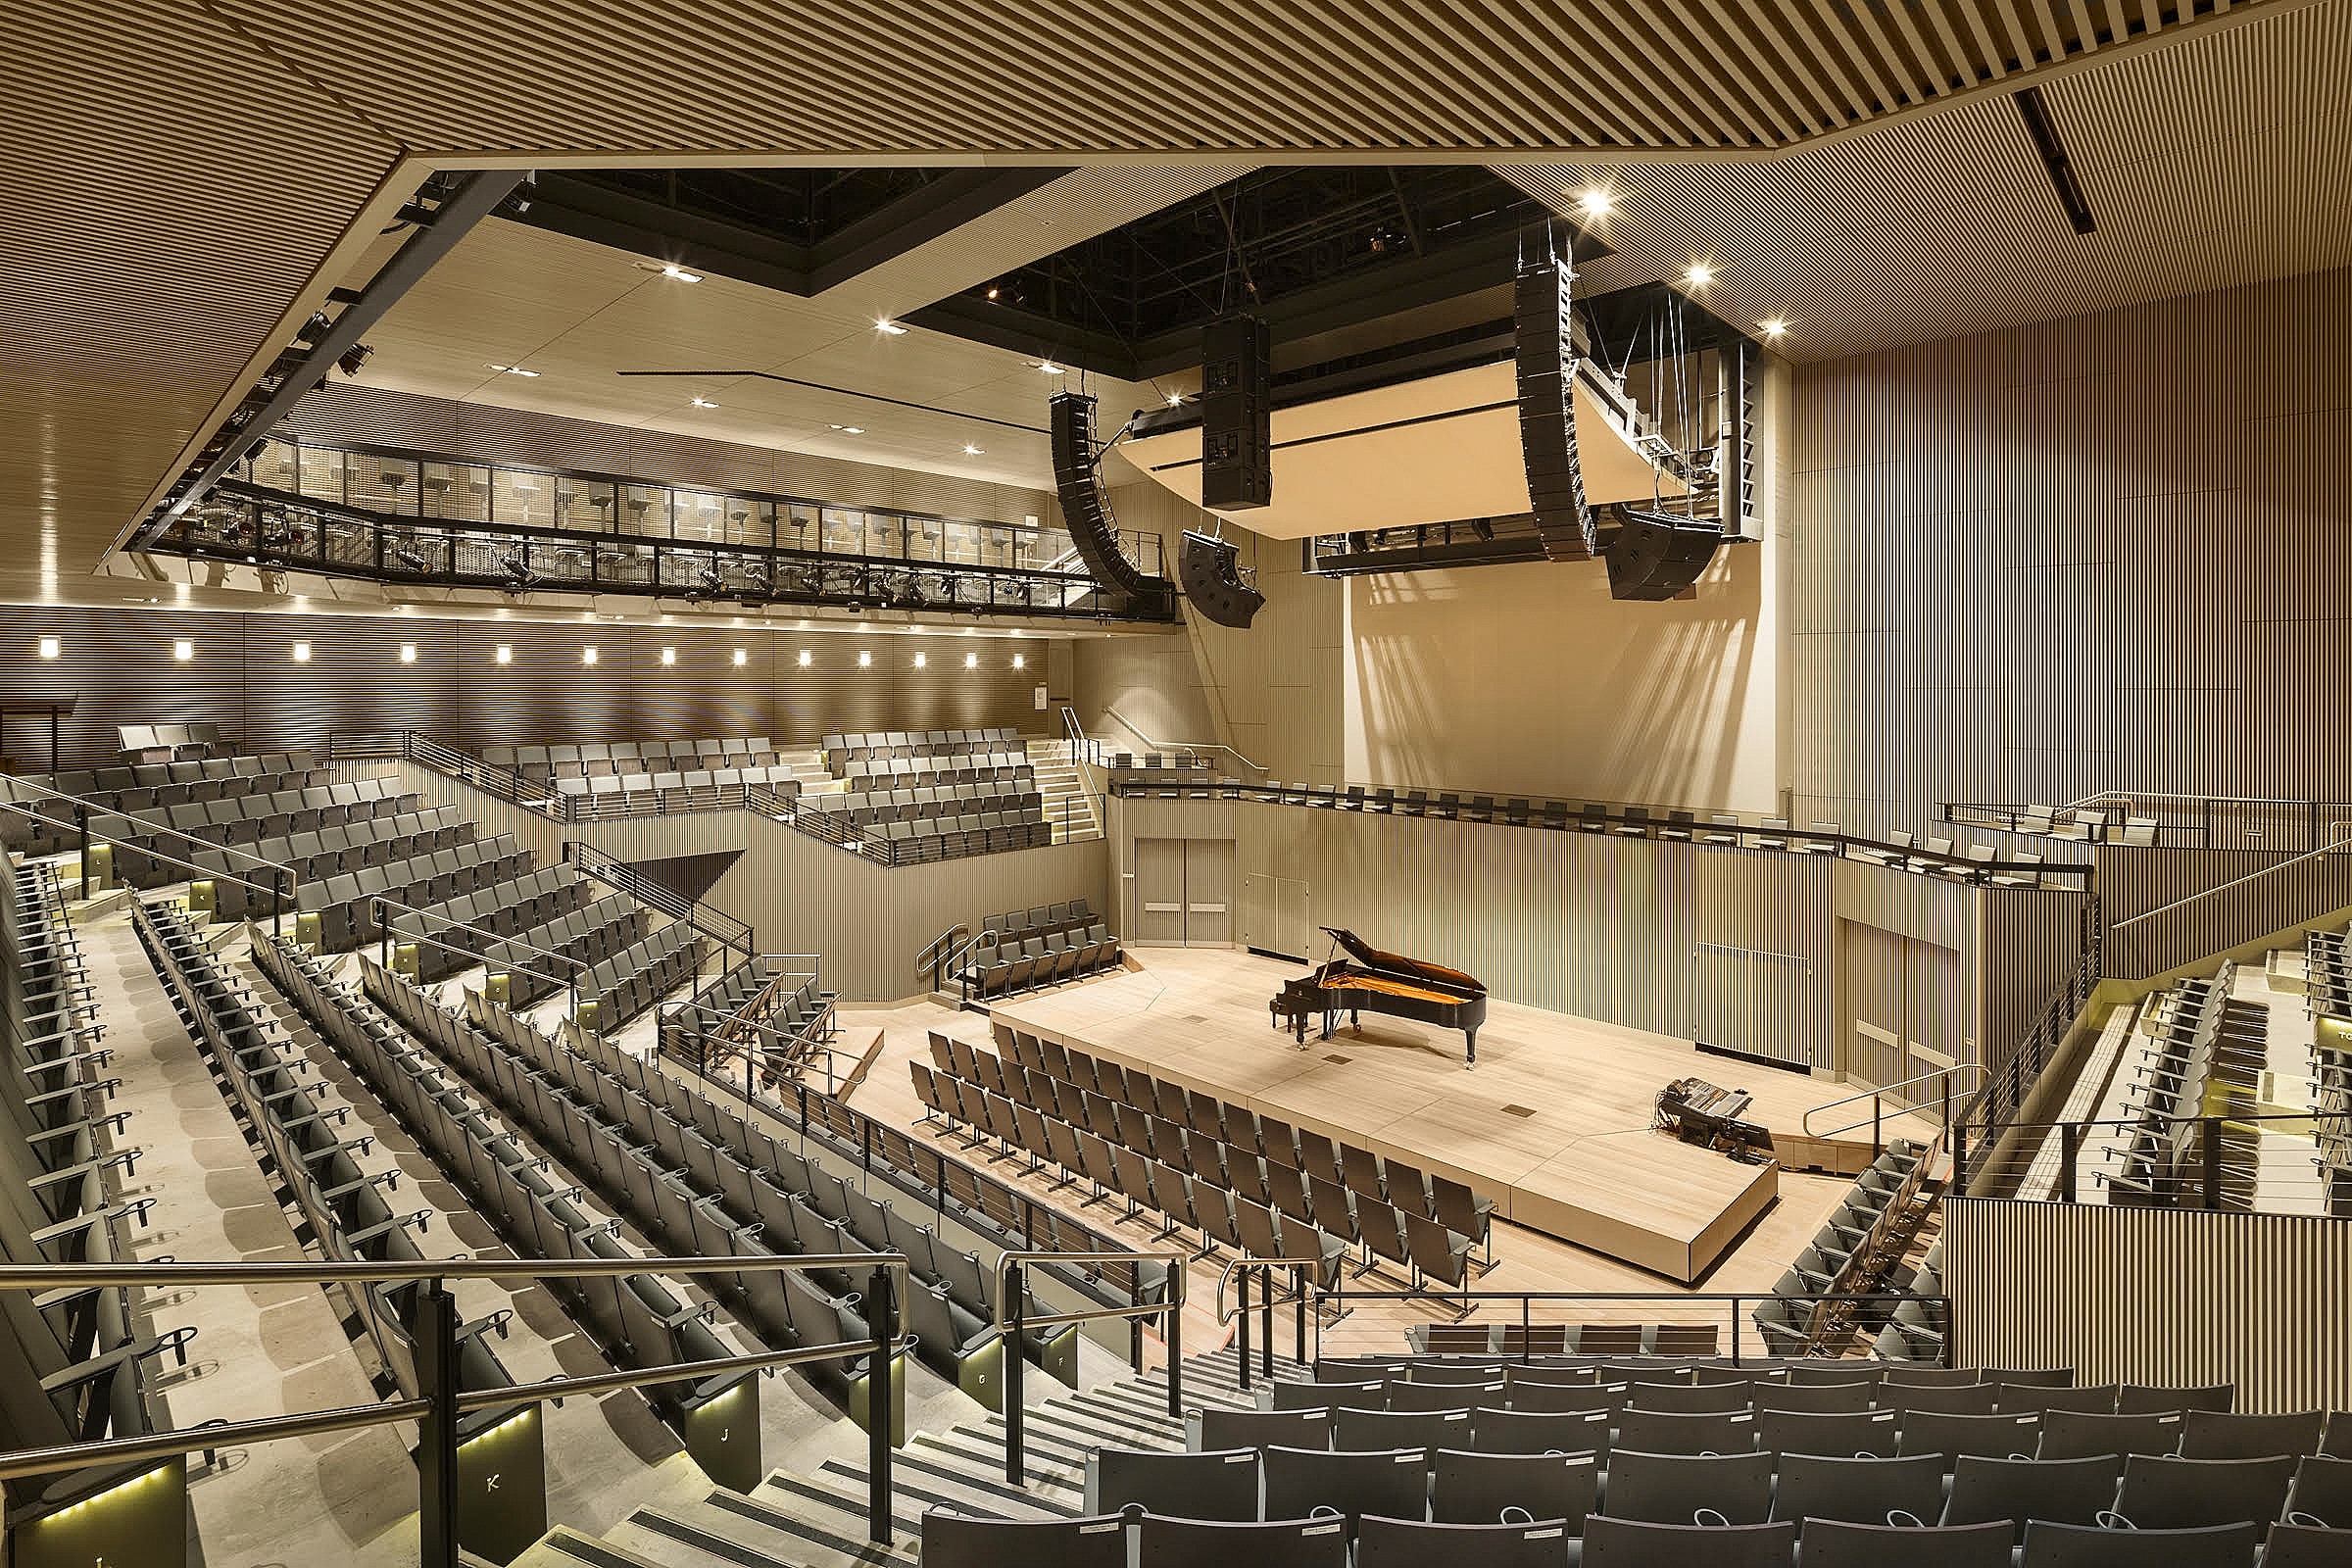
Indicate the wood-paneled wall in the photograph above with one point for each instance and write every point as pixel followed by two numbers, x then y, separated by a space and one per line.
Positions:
pixel 243 676
pixel 2155 1296
pixel 2285 890
pixel 2098 552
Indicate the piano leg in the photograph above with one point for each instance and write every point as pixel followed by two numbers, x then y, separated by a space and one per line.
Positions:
pixel 1471 1035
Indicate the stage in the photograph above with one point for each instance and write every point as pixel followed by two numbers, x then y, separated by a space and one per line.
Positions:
pixel 1554 1123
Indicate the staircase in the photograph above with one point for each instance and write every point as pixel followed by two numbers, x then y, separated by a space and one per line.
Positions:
pixel 820 1519
pixel 809 767
pixel 1068 805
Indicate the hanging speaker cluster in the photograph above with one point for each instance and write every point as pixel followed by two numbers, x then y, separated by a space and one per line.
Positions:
pixel 1237 414
pixel 1543 335
pixel 1093 529
pixel 1745 372
pixel 1657 555
pixel 1211 571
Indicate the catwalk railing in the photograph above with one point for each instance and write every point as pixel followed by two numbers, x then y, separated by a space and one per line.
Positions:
pixel 440 1403
pixel 2156 820
pixel 272 530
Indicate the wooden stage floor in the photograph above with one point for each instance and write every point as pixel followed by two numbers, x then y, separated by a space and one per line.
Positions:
pixel 1554 1123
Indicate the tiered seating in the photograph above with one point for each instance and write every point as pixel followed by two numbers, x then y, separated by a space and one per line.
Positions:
pixel 534 959
pixel 1710 1466
pixel 1517 1340
pixel 917 796
pixel 436 859
pixel 1022 949
pixel 2327 971
pixel 633 760
pixel 74 1365
pixel 690 790
pixel 699 1180
pixel 638 1320
pixel 1248 1182
pixel 1917 1329
pixel 2208 1055
pixel 151 791
pixel 267 1075
pixel 1850 1253
pixel 777 1019
pixel 625 984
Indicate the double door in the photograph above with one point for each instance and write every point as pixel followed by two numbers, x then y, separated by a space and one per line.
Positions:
pixel 1183 892
pixel 1905 1012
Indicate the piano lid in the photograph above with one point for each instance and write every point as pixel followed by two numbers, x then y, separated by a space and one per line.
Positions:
pixel 1397 964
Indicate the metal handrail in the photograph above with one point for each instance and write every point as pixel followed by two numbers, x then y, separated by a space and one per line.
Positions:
pixel 437 1447
pixel 932 959
pixel 1009 1296
pixel 617 873
pixel 1236 1265
pixel 1873 1096
pixel 2335 846
pixel 1150 744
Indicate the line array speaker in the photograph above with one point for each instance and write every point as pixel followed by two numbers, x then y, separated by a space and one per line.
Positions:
pixel 1237 413
pixel 1543 335
pixel 1746 369
pixel 1093 529
pixel 1657 555
pixel 1211 571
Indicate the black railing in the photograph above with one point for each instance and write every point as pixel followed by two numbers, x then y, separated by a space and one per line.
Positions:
pixel 2125 818
pixel 541 796
pixel 1717 830
pixel 2154 1161
pixel 2003 1093
pixel 280 531
pixel 731 934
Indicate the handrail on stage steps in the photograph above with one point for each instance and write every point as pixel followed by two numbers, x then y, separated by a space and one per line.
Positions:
pixel 1876 1096
pixel 1012 1296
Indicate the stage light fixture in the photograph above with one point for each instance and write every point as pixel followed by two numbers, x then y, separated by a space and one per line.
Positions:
pixel 971 660
pixel 353 357
pixel 704 403
pixel 411 560
pixel 1774 327
pixel 972 451
pixel 1595 202
pixel 678 273
pixel 1699 274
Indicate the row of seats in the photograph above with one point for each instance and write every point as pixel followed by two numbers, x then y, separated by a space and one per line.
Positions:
pixel 2328 983
pixel 74 1365
pixel 874 745
pixel 1017 964
pixel 1721 829
pixel 610 757
pixel 338 914
pixel 1260 1157
pixel 316 855
pixel 697 790
pixel 2083 825
pixel 192 806
pixel 1524 1340
pixel 951 838
pixel 143 789
pixel 140 741
pixel 1015 792
pixel 277 812
pixel 941 768
pixel 1141 1540
pixel 287 1108
pixel 540 960
pixel 511 909
pixel 2211 1046
pixel 696 1177
pixel 637 1320
pixel 983 1205
pixel 627 982
pixel 758 1012
pixel 1869 1231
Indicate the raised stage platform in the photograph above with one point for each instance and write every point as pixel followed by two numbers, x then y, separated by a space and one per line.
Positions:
pixel 1554 1123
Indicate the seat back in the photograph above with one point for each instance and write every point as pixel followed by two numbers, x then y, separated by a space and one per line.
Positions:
pixel 1863 1491
pixel 1301 1482
pixel 2075 1492
pixel 952 1539
pixel 1681 1488
pixel 1164 1542
pixel 1413 1544
pixel 1832 1543
pixel 1614 1542
pixel 2056 1545
pixel 1219 1484
pixel 1476 1488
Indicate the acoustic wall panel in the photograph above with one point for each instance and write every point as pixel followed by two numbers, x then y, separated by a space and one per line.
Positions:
pixel 242 676
pixel 2212 1298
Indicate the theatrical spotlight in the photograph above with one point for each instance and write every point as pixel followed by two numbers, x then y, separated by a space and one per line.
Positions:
pixel 353 357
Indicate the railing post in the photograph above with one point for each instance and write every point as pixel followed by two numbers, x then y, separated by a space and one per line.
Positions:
pixel 1959 1162
pixel 881 1407
pixel 1878 1142
pixel 1013 1373
pixel 1240 1337
pixel 82 824
pixel 2209 1139
pixel 437 1428
pixel 1265 1302
pixel 2069 1150
pixel 1526 1332
pixel 1734 1331
pixel 277 902
pixel 1299 1305
pixel 1176 1343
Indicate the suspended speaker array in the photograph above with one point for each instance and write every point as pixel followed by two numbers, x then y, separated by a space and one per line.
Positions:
pixel 1544 323
pixel 1212 573
pixel 1236 416
pixel 1656 555
pixel 1084 507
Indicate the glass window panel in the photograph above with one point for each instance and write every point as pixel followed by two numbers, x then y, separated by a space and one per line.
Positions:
pixel 458 491
pixel 698 514
pixel 276 467
pixel 584 506
pixel 844 532
pixel 523 498
pixel 645 511
pixel 322 473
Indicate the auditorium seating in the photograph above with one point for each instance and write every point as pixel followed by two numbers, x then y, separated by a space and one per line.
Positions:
pixel 169 743
pixel 843 751
pixel 777 1019
pixel 922 796
pixel 642 759
pixel 298 1122
pixel 153 791
pixel 637 1320
pixel 701 1180
pixel 1850 1255
pixel 1023 950
pixel 1250 1183
pixel 78 1365
pixel 2210 1052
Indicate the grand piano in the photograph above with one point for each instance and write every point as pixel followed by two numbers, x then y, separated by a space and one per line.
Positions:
pixel 1369 980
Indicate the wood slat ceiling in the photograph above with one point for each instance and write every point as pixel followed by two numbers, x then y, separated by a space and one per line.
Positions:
pixel 187 179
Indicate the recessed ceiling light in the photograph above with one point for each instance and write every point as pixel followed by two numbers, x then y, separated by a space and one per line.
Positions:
pixel 1049 366
pixel 1699 274
pixel 972 451
pixel 678 273
pixel 302 652
pixel 848 430
pixel 886 324
pixel 1595 202
pixel 669 656
pixel 1774 327
pixel 704 403
pixel 512 369
pixel 408 653
pixel 49 648
pixel 1175 399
